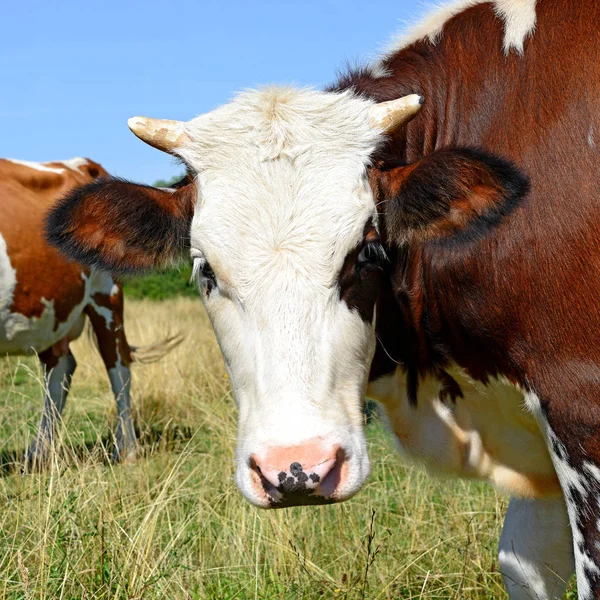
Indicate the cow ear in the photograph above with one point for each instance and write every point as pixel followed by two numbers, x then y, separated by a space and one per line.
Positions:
pixel 123 227
pixel 457 194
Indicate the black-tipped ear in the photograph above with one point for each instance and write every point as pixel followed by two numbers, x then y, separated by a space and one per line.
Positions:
pixel 457 194
pixel 122 227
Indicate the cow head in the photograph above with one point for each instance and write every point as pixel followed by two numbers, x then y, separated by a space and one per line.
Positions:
pixel 279 215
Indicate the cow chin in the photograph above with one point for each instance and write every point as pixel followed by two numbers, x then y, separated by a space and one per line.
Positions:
pixel 312 473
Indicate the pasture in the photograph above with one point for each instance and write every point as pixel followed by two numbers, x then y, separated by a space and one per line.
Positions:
pixel 173 525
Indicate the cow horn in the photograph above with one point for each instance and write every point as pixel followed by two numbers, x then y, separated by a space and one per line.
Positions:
pixel 160 133
pixel 389 116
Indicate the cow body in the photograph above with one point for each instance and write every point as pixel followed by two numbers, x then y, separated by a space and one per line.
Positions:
pixel 44 299
pixel 42 296
pixel 521 308
pixel 460 249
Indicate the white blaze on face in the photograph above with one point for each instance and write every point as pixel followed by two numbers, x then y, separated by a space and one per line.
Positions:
pixel 283 199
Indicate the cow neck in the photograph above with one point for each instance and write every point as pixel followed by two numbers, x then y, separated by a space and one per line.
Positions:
pixel 419 326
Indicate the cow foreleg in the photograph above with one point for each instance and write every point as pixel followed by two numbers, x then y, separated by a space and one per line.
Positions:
pixel 536 549
pixel 58 372
pixel 125 440
pixel 106 316
pixel 571 433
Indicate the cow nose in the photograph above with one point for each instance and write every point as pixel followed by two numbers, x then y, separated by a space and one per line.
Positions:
pixel 299 475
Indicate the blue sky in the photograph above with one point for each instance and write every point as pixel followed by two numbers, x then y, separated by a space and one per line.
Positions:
pixel 72 73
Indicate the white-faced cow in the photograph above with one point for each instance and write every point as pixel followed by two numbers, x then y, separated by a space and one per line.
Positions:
pixel 460 250
pixel 44 299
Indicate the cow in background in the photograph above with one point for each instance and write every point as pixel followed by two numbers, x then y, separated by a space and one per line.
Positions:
pixel 45 299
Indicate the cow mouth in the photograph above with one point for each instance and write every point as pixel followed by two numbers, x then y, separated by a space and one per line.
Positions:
pixel 299 500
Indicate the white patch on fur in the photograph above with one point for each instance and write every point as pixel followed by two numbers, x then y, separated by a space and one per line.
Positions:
pixel 20 334
pixel 536 549
pixel 572 478
pixel 72 163
pixel 591 138
pixel 35 165
pixel 23 335
pixel 518 16
pixel 102 283
pixel 14 327
pixel 75 163
pixel 283 198
pixel 378 70
pixel 488 434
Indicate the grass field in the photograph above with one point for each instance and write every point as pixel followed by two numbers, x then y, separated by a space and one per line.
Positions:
pixel 173 525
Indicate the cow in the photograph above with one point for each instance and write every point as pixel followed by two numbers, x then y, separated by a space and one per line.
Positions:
pixel 45 299
pixel 427 226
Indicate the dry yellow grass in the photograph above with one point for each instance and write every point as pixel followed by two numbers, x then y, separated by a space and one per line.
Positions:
pixel 173 525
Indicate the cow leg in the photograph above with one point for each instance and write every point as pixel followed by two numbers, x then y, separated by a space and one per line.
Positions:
pixel 572 435
pixel 536 549
pixel 58 372
pixel 106 315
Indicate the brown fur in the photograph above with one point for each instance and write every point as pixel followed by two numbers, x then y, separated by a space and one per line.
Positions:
pixel 25 195
pixel 523 301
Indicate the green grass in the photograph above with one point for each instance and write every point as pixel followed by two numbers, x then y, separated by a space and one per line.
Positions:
pixel 162 285
pixel 172 525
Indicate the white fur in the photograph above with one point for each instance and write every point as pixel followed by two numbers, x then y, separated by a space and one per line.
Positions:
pixel 103 283
pixel 35 165
pixel 120 383
pixel 488 434
pixel 572 478
pixel 8 282
pixel 18 333
pixel 591 138
pixel 56 383
pixel 518 17
pixel 71 163
pixel 491 434
pixel 536 549
pixel 283 198
pixel 75 163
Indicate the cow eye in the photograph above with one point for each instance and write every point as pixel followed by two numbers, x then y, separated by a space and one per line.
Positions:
pixel 203 274
pixel 371 254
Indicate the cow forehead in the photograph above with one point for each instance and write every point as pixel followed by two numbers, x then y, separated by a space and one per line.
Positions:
pixel 282 176
pixel 282 122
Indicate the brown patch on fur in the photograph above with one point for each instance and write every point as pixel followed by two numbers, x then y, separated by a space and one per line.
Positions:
pixel 25 196
pixel 359 285
pixel 49 358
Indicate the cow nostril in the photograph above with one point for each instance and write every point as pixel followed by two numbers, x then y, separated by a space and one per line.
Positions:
pixel 332 478
pixel 269 488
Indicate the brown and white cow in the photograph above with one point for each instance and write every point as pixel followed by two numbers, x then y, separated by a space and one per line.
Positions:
pixel 460 250
pixel 44 299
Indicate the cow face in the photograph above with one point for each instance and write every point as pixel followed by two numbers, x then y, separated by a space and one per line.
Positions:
pixel 279 214
pixel 287 256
